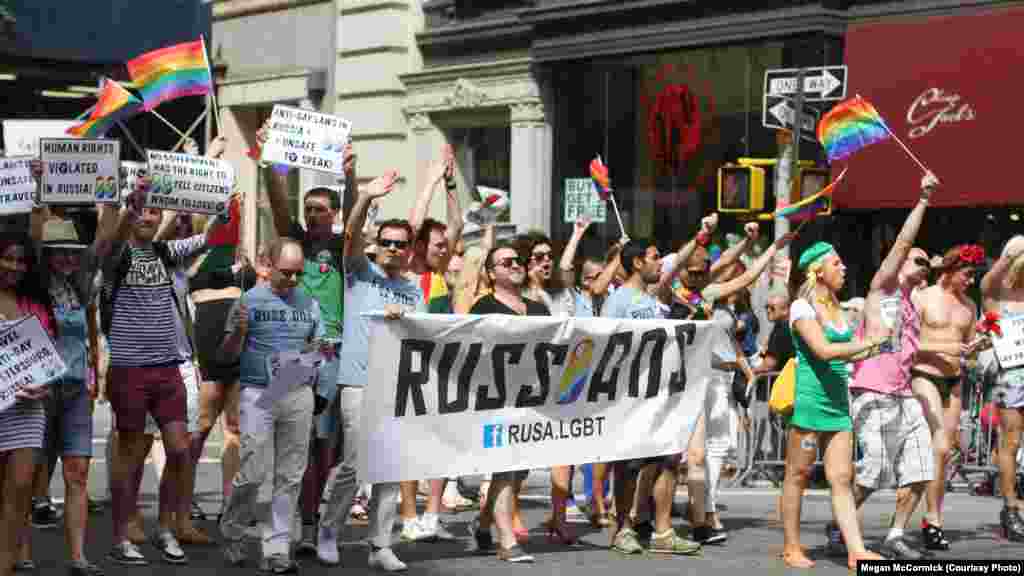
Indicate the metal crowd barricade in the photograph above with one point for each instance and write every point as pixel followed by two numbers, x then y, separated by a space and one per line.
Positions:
pixel 971 463
pixel 764 457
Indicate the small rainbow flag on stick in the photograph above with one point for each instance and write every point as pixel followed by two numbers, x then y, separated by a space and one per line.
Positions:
pixel 171 72
pixel 808 208
pixel 113 103
pixel 850 126
pixel 599 173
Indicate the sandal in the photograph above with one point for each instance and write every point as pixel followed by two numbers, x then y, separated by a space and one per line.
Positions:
pixel 358 515
pixel 933 536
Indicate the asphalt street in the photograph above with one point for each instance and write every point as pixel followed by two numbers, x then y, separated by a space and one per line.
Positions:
pixel 755 538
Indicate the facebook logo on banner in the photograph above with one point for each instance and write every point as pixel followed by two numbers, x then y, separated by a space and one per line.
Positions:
pixel 493 435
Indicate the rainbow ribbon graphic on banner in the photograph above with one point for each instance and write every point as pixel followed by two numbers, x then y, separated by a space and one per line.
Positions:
pixel 171 72
pixel 113 103
pixel 809 207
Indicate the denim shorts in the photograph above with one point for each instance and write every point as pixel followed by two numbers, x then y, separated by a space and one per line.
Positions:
pixel 68 419
pixel 326 423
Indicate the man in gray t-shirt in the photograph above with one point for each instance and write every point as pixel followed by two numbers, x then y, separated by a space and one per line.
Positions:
pixel 271 319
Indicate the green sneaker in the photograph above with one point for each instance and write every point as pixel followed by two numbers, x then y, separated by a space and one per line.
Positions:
pixel 673 544
pixel 626 543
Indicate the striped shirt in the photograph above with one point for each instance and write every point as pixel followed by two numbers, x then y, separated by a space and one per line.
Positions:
pixel 146 329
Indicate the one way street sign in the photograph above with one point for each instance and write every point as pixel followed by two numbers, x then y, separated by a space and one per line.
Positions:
pixel 820 84
pixel 777 112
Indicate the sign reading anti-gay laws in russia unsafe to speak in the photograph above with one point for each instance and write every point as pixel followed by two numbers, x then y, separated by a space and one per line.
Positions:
pixel 187 183
pixel 484 394
pixel 306 139
pixel 80 171
pixel 17 186
pixel 28 358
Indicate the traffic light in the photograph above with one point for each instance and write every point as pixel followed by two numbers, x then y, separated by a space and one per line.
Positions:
pixel 740 188
pixel 810 181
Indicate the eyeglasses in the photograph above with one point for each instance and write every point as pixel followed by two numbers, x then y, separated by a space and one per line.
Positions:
pixel 396 244
pixel 541 256
pixel 290 274
pixel 509 262
pixel 923 262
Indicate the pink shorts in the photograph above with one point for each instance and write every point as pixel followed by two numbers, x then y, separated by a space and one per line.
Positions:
pixel 137 391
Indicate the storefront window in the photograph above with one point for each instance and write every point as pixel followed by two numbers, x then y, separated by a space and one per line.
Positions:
pixel 488 159
pixel 664 124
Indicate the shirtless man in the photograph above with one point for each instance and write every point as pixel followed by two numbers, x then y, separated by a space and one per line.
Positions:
pixel 947 339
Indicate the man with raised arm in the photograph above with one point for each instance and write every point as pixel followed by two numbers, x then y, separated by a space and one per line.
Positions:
pixel 888 421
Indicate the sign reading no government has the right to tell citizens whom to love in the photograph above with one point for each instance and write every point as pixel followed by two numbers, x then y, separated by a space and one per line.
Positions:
pixel 80 171
pixel 306 139
pixel 188 183
pixel 28 358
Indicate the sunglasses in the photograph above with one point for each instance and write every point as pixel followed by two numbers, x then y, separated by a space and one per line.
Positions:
pixel 923 262
pixel 508 262
pixel 541 256
pixel 290 274
pixel 396 244
pixel 697 272
pixel 315 209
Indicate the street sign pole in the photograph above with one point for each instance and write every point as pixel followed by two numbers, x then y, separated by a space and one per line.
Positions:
pixel 787 169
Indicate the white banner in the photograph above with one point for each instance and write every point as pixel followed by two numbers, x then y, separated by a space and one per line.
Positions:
pixel 21 137
pixel 28 358
pixel 483 394
pixel 1009 348
pixel 80 171
pixel 581 199
pixel 306 139
pixel 187 183
pixel 17 186
pixel 130 172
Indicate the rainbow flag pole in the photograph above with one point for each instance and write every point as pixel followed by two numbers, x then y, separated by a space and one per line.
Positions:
pixel 190 129
pixel 902 145
pixel 213 88
pixel 615 207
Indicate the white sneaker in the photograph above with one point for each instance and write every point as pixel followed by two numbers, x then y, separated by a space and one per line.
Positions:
pixel 574 514
pixel 432 525
pixel 414 531
pixel 327 547
pixel 385 559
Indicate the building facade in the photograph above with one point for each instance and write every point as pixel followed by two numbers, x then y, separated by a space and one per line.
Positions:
pixel 529 91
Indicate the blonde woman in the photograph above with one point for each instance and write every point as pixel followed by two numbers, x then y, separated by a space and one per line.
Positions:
pixel 1002 291
pixel 824 342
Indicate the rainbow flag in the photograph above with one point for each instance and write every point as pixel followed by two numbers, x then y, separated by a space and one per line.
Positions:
pixel 850 126
pixel 809 207
pixel 171 72
pixel 599 172
pixel 113 103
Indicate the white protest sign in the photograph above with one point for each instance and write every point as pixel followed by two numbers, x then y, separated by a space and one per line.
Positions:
pixel 130 175
pixel 456 395
pixel 1009 347
pixel 17 186
pixel 287 371
pixel 80 171
pixel 28 358
pixel 306 139
pixel 21 137
pixel 187 183
pixel 581 199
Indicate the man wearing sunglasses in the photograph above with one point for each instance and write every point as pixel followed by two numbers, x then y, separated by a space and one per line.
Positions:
pixel 270 319
pixel 888 421
pixel 322 281
pixel 369 286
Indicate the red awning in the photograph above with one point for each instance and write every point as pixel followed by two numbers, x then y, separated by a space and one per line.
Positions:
pixel 952 89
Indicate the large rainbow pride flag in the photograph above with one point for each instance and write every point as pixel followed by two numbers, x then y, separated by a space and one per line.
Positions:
pixel 851 125
pixel 113 103
pixel 171 72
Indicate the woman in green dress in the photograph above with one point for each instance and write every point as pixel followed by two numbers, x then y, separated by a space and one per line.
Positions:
pixel 824 342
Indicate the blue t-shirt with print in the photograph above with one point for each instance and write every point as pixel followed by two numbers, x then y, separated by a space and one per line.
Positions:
pixel 368 289
pixel 276 324
pixel 631 303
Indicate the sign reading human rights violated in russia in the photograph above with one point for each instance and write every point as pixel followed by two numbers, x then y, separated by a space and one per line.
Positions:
pixel 187 183
pixel 80 171
pixel 306 139
pixel 484 394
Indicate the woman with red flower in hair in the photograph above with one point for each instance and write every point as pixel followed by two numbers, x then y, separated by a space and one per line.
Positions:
pixel 948 338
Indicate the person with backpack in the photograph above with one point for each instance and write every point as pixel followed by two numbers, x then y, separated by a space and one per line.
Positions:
pixel 150 361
